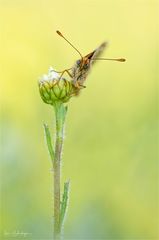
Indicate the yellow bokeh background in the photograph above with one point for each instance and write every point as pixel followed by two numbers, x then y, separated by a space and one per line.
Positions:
pixel 110 150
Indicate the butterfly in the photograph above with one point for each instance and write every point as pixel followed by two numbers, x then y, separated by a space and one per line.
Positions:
pixel 80 70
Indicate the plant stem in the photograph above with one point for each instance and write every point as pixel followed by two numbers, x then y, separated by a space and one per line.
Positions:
pixel 60 112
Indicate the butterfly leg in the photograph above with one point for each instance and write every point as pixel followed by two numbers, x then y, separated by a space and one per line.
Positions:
pixel 79 85
pixel 62 73
pixel 67 71
pixel 82 86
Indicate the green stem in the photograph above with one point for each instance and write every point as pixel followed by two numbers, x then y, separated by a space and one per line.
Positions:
pixel 60 112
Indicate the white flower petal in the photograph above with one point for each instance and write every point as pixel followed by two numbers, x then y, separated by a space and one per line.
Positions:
pixel 45 77
pixel 52 74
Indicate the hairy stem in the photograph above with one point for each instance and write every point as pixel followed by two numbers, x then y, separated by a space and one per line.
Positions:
pixel 60 112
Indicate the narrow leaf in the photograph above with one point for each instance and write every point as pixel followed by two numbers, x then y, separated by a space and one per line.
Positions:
pixel 49 142
pixel 64 203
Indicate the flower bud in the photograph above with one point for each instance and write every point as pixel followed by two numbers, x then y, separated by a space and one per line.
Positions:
pixel 53 88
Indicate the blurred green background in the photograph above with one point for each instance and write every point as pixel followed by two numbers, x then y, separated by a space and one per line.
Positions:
pixel 110 150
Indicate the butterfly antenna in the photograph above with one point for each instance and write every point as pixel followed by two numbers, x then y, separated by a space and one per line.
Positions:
pixel 111 59
pixel 61 35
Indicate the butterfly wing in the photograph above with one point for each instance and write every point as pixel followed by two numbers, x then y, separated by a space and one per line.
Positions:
pixel 98 51
pixel 80 71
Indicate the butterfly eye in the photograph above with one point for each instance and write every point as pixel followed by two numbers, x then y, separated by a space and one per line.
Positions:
pixel 78 62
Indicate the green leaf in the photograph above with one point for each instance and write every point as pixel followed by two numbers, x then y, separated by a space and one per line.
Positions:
pixel 64 202
pixel 49 142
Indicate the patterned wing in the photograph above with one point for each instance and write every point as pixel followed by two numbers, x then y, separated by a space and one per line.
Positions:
pixel 82 66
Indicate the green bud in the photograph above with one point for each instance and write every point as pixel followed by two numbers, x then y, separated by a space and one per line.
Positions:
pixel 53 88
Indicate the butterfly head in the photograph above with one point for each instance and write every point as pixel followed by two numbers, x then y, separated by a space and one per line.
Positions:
pixel 85 62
